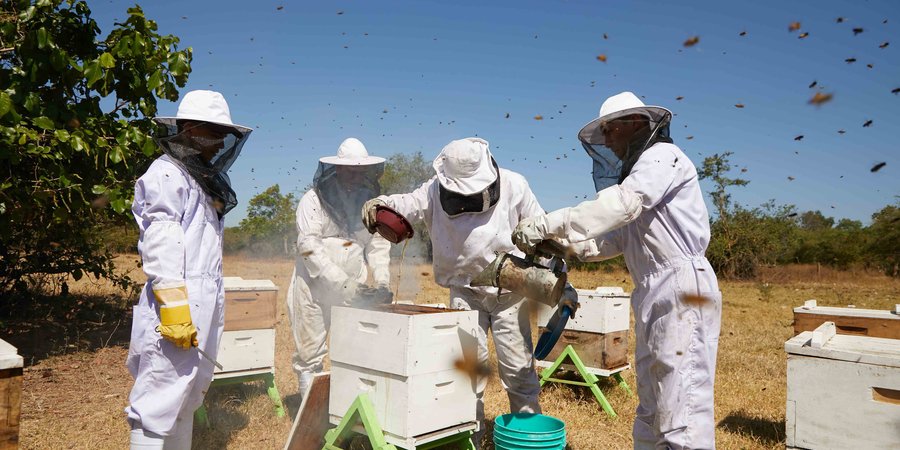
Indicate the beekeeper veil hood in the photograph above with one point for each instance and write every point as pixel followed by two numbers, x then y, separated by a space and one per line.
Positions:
pixel 203 140
pixel 468 176
pixel 345 181
pixel 609 169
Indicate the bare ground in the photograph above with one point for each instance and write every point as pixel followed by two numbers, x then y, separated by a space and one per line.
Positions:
pixel 76 384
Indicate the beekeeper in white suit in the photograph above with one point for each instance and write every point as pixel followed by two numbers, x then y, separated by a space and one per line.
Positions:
pixel 470 208
pixel 179 204
pixel 649 206
pixel 334 250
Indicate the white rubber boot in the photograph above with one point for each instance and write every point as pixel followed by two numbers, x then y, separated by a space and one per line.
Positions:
pixel 145 440
pixel 305 382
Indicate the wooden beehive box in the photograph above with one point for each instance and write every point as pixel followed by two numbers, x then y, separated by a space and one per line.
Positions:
pixel 843 391
pixel 10 395
pixel 854 321
pixel 606 351
pixel 602 310
pixel 599 330
pixel 248 342
pixel 403 357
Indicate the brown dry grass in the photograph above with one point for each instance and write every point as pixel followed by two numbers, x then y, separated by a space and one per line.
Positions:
pixel 76 384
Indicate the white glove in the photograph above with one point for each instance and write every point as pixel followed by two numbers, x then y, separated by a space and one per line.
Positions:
pixel 368 213
pixel 347 290
pixel 569 298
pixel 529 233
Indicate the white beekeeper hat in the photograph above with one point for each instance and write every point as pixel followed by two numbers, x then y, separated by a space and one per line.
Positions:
pixel 620 105
pixel 466 166
pixel 204 106
pixel 352 152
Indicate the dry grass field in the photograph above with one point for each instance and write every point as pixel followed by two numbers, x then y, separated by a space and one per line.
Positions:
pixel 76 384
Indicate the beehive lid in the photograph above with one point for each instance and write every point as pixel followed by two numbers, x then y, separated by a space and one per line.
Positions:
pixel 240 284
pixel 857 349
pixel 604 291
pixel 9 357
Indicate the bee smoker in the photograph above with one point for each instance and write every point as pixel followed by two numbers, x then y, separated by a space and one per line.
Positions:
pixel 526 277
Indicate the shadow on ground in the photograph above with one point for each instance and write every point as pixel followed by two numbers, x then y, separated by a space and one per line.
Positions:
pixel 770 432
pixel 41 326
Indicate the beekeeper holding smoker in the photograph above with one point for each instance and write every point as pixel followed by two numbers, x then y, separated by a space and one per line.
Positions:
pixel 179 205
pixel 333 251
pixel 649 207
pixel 470 208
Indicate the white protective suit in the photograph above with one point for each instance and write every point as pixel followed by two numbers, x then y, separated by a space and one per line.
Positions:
pixel 325 262
pixel 180 245
pixel 330 255
pixel 658 219
pixel 462 247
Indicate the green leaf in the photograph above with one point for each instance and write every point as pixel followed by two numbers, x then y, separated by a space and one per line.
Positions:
pixel 116 154
pixel 118 205
pixel 62 135
pixel 98 189
pixel 92 72
pixel 5 104
pixel 43 37
pixel 44 122
pixel 155 80
pixel 107 61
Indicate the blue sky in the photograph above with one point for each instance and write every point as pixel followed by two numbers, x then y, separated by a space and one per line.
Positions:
pixel 408 76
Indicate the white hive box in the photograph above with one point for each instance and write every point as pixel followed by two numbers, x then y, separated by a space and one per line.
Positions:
pixel 10 395
pixel 603 310
pixel 403 357
pixel 842 391
pixel 248 342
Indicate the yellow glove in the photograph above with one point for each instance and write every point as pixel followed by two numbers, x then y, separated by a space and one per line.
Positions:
pixel 175 323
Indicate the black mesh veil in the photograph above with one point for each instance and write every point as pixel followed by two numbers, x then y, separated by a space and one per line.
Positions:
pixel 206 154
pixel 608 169
pixel 342 190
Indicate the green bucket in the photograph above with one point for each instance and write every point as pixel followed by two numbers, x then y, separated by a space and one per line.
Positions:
pixel 523 431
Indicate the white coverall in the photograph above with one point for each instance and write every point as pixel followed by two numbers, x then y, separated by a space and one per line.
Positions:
pixel 462 247
pixel 180 245
pixel 664 247
pixel 325 262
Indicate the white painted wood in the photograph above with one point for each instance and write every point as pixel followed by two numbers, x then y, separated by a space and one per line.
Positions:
pixel 593 370
pixel 603 310
pixel 240 284
pixel 830 401
pixel 861 349
pixel 401 344
pixel 9 357
pixel 822 334
pixel 247 350
pixel 809 304
pixel 406 406
pixel 847 312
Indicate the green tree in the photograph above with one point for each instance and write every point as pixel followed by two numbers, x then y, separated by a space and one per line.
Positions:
pixel 883 251
pixel 716 168
pixel 74 131
pixel 270 221
pixel 403 174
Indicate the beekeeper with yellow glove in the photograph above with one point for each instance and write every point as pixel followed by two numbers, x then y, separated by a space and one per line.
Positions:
pixel 179 204
pixel 649 206
pixel 334 250
pixel 470 208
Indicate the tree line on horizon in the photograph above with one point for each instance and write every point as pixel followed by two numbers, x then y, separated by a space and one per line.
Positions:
pixel 75 132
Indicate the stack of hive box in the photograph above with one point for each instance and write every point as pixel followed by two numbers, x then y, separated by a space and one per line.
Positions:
pixel 843 378
pixel 403 357
pixel 599 330
pixel 248 342
pixel 10 395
